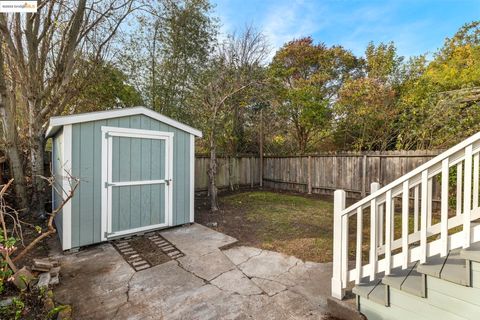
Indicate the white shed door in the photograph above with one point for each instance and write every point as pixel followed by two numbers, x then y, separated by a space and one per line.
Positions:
pixel 137 171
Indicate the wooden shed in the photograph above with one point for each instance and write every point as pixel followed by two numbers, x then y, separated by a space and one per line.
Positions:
pixel 136 171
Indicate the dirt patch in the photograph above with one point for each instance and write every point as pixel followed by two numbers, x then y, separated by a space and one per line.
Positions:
pixel 145 251
pixel 149 251
pixel 291 223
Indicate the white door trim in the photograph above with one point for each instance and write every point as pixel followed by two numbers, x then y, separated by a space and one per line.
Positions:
pixel 107 184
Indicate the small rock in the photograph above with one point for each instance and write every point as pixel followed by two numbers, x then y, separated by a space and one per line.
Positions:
pixel 54 280
pixel 55 271
pixel 65 313
pixel 48 304
pixel 212 224
pixel 22 278
pixel 43 280
pixel 6 302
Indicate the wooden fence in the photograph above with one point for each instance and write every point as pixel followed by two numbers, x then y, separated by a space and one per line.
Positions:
pixel 319 173
pixel 238 172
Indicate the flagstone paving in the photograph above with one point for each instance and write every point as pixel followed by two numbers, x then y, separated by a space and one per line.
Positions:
pixel 207 283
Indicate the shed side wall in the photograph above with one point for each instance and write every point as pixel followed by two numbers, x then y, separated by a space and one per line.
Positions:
pixel 86 164
pixel 58 174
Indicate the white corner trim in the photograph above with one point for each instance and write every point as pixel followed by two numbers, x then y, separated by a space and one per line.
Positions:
pixel 104 201
pixel 56 122
pixel 67 208
pixel 192 178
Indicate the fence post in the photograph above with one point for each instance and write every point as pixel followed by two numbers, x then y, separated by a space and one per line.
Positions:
pixel 309 172
pixel 338 247
pixel 364 176
pixel 252 171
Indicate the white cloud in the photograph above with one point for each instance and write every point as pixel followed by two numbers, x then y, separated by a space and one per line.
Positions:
pixel 289 20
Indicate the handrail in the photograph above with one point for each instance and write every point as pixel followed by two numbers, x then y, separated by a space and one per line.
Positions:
pixel 464 156
pixel 472 139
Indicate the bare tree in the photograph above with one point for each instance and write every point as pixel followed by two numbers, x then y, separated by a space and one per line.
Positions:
pixel 40 59
pixel 233 69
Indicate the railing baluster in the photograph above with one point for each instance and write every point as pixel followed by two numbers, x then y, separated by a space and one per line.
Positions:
pixel 475 180
pixel 381 215
pixel 444 209
pixel 374 186
pixel 429 203
pixel 358 256
pixel 467 193
pixel 338 207
pixel 373 239
pixel 459 188
pixel 344 249
pixel 388 231
pixel 405 223
pixel 416 194
pixel 423 218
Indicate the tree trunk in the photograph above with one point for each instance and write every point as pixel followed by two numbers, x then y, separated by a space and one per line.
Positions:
pixel 16 167
pixel 38 172
pixel 212 171
pixel 10 134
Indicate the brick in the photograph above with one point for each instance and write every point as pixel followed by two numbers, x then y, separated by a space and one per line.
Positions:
pixel 142 267
pixel 137 263
pixel 173 253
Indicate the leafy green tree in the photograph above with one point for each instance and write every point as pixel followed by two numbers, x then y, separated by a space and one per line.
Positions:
pixel 166 52
pixel 107 89
pixel 307 77
pixel 365 111
pixel 440 106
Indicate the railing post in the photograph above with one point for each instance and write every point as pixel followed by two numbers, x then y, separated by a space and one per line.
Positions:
pixel 338 246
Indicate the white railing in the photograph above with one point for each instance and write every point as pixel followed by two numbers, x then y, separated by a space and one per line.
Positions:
pixel 415 241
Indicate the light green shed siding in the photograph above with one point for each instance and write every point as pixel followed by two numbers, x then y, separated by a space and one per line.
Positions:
pixel 86 165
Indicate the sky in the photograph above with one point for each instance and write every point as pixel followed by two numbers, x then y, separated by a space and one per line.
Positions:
pixel 416 27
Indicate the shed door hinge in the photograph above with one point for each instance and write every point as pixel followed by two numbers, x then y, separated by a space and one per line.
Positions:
pixel 106 234
pixel 109 184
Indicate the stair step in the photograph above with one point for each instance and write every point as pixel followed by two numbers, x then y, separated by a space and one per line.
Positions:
pixel 379 294
pixel 372 290
pixel 455 269
pixel 415 284
pixel 397 276
pixel 433 266
pixel 408 280
pixel 451 268
pixel 471 253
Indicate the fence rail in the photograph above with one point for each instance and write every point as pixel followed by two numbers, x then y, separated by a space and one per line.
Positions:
pixel 319 173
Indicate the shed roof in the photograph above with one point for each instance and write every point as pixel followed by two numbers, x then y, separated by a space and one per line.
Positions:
pixel 57 122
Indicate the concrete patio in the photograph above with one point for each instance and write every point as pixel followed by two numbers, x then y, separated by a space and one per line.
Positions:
pixel 207 283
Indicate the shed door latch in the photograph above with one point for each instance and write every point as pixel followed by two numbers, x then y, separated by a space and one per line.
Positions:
pixel 167 182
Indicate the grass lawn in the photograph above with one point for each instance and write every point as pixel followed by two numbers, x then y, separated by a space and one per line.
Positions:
pixel 295 225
